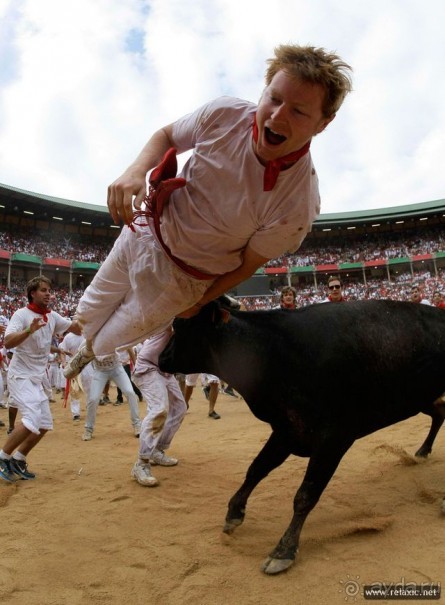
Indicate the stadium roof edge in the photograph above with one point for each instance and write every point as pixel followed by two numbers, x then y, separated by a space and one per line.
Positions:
pixel 49 198
pixel 387 213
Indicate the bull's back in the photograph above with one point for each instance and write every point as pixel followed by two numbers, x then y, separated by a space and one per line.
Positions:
pixel 372 363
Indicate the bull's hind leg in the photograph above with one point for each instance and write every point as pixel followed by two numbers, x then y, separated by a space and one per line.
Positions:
pixel 427 445
pixel 274 453
pixel 321 467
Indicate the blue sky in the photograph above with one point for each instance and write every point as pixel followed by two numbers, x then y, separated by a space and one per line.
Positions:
pixel 84 83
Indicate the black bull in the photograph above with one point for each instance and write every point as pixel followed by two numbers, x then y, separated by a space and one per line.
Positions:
pixel 322 377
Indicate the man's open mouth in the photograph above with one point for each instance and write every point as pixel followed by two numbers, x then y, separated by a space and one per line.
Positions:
pixel 273 138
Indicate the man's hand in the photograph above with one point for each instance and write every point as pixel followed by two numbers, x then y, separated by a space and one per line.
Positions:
pixel 125 195
pixel 36 324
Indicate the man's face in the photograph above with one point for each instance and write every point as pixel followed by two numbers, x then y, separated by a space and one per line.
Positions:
pixel 437 298
pixel 42 296
pixel 335 290
pixel 289 114
pixel 288 299
pixel 416 295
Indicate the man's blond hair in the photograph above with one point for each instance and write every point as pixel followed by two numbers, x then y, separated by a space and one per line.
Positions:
pixel 317 66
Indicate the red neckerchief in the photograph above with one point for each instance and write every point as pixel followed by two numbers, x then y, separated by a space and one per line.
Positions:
pixel 41 310
pixel 292 306
pixel 342 299
pixel 273 167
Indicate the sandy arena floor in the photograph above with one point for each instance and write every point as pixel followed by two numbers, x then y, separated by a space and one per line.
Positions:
pixel 84 532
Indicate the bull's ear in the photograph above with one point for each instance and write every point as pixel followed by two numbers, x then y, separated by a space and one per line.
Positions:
pixel 219 316
pixel 225 316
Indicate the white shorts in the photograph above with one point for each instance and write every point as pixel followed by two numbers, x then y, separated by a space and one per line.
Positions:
pixel 136 292
pixel 32 402
pixel 192 379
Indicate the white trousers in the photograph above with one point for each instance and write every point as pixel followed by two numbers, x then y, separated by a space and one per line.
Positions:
pixel 53 375
pixel 98 382
pixel 206 379
pixel 136 292
pixel 166 409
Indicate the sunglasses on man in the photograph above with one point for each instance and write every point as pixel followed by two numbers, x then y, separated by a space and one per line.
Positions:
pixel 335 287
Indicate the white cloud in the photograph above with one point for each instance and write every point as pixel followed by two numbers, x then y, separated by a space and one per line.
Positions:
pixel 84 83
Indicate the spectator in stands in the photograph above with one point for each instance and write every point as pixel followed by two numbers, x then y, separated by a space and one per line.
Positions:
pixel 417 295
pixel 243 218
pixel 438 300
pixel 288 298
pixel 335 293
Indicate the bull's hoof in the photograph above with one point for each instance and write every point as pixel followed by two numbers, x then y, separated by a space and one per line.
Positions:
pixel 422 453
pixel 273 566
pixel 231 524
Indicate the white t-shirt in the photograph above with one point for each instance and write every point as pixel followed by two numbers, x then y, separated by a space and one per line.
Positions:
pixel 30 358
pixel 223 208
pixel 71 343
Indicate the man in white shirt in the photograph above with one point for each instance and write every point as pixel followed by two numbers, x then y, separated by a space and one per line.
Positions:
pixel 105 369
pixel 30 332
pixel 247 194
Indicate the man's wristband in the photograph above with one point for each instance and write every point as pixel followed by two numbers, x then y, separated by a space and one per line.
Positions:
pixel 28 330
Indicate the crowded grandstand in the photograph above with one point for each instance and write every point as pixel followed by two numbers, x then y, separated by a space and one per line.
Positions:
pixel 378 254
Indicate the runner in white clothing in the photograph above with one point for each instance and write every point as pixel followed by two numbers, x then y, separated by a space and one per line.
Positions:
pixel 104 370
pixel 30 332
pixel 248 193
pixel 211 385
pixel 166 409
pixel 69 346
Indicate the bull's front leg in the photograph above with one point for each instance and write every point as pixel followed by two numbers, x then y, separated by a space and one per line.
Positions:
pixel 274 453
pixel 321 467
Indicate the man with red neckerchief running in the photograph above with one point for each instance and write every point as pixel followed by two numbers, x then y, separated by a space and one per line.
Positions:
pixel 29 333
pixel 248 193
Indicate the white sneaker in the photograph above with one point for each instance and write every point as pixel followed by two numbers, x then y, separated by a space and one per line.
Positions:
pixel 77 363
pixel 141 471
pixel 88 435
pixel 159 457
pixel 137 430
